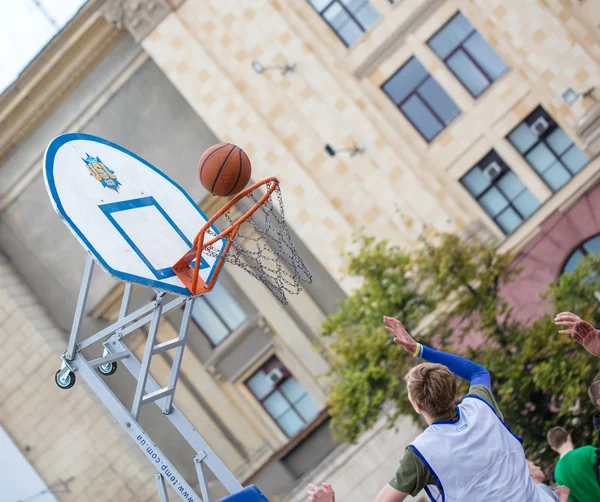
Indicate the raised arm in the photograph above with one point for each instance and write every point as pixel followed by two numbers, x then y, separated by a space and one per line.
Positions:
pixel 460 366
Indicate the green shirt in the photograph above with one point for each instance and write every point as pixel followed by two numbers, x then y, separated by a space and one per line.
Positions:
pixel 412 475
pixel 575 470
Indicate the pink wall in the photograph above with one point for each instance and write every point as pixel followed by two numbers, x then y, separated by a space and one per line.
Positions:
pixel 542 260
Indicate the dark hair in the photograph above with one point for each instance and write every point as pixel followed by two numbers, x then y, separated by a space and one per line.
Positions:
pixel 557 436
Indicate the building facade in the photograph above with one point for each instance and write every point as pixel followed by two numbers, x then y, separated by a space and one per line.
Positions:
pixel 474 115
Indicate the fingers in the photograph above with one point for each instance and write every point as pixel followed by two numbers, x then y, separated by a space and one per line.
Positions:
pixel 567 331
pixel 577 338
pixel 328 487
pixel 565 323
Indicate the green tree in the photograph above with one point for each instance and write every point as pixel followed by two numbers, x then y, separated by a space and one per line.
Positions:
pixel 369 370
pixel 540 378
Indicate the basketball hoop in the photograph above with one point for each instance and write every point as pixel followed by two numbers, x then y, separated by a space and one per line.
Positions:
pixel 258 241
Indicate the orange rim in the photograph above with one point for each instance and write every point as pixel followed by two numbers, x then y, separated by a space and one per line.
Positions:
pixel 190 277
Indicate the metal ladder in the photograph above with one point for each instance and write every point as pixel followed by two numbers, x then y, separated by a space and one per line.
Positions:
pixel 147 389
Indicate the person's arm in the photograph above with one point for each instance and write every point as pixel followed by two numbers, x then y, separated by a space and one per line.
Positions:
pixel 460 366
pixel 325 494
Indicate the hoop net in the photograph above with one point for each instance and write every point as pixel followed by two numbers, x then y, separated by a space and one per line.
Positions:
pixel 257 240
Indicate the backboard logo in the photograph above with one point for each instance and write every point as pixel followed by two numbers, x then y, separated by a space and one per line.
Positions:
pixel 101 172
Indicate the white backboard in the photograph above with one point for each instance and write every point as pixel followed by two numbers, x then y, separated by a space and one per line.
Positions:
pixel 133 219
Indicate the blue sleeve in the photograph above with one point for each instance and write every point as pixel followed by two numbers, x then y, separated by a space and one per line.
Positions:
pixel 473 372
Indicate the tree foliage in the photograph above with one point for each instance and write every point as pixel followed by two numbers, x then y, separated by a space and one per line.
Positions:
pixel 539 377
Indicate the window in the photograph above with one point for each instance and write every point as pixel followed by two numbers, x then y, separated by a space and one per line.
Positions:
pixel 348 18
pixel 282 397
pixel 218 314
pixel 467 54
pixel 500 192
pixel 547 149
pixel 590 246
pixel 421 99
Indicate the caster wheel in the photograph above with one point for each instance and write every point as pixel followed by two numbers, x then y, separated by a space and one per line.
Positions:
pixel 67 382
pixel 108 369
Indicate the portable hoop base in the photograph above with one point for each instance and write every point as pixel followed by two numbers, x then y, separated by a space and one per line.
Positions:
pixel 147 389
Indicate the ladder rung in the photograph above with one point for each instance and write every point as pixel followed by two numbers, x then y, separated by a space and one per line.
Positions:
pixel 156 395
pixel 110 358
pixel 163 347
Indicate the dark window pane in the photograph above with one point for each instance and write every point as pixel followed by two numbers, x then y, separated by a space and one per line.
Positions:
pixel 541 158
pixel 259 385
pixel 573 260
pixel 509 220
pixel 336 16
pixel 475 181
pixel 276 404
pixel 558 141
pixel 556 177
pixel 405 81
pixel 493 201
pixel 466 71
pixel 292 389
pixel 350 33
pixel 366 16
pixel 319 5
pixel 307 408
pixel 510 184
pixel 421 118
pixel 574 159
pixel 450 36
pixel 485 56
pixel 522 138
pixel 526 203
pixel 291 423
pixel 435 96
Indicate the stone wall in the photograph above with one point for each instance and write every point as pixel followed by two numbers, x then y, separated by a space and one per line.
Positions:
pixel 62 433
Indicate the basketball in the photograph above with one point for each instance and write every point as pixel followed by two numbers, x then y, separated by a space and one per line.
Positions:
pixel 224 169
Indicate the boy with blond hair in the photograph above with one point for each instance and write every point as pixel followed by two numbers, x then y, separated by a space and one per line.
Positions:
pixel 467 454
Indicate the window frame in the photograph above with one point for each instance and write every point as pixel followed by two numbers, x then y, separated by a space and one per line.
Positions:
pixel 274 362
pixel 414 92
pixel 349 12
pixel 249 317
pixel 467 54
pixel 538 112
pixel 492 155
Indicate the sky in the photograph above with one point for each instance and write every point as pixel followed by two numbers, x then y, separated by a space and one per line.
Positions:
pixel 25 30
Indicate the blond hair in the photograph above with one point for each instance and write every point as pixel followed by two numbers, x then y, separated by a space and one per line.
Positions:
pixel 433 388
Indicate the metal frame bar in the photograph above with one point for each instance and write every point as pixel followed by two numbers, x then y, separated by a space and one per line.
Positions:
pixel 79 309
pixel 147 389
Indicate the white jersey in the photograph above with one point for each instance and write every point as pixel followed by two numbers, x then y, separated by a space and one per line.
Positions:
pixel 475 458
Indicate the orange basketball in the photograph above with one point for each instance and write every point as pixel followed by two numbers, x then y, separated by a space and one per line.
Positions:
pixel 224 169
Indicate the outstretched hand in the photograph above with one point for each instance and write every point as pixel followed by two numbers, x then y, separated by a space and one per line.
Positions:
pixel 581 331
pixel 401 336
pixel 321 494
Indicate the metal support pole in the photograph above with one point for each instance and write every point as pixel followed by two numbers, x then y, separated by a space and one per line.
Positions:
pixel 80 309
pixel 183 425
pixel 187 313
pixel 201 477
pixel 145 368
pixel 162 488
pixel 154 454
